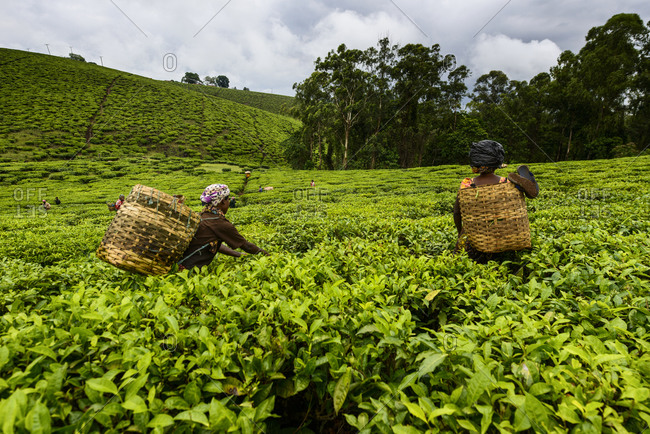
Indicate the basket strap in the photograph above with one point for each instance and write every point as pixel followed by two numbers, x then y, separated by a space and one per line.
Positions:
pixel 158 201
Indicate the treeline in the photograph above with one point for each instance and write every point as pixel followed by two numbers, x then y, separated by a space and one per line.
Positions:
pixel 390 106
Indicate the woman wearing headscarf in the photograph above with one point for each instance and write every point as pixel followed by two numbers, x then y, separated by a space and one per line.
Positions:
pixel 485 157
pixel 215 230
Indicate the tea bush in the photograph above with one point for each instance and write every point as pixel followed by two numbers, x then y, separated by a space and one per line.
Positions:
pixel 70 109
pixel 361 319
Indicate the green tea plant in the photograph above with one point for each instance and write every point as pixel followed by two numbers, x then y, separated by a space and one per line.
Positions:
pixel 278 104
pixel 63 109
pixel 361 319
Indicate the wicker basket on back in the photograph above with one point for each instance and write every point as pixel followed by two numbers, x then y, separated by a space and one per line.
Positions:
pixel 495 218
pixel 149 233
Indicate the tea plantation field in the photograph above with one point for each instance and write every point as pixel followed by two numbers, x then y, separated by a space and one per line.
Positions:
pixel 361 319
pixel 57 108
pixel 274 103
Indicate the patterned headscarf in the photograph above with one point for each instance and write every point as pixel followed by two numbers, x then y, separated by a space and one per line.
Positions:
pixel 213 195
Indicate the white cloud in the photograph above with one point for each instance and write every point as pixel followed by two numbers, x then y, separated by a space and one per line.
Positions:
pixel 270 44
pixel 518 59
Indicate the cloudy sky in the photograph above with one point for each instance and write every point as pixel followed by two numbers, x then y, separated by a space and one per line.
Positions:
pixel 268 45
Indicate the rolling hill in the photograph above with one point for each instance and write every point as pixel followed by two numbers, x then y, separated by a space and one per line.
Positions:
pixel 59 108
pixel 278 104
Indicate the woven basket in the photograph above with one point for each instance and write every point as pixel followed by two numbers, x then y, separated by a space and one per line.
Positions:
pixel 111 206
pixel 495 218
pixel 149 233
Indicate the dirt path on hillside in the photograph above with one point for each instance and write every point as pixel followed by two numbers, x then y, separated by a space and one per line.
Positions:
pixel 100 110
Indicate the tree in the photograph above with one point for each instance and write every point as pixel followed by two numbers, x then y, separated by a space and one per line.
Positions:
pixel 384 106
pixel 491 88
pixel 609 63
pixel 639 120
pixel 191 78
pixel 418 91
pixel 569 102
pixel 78 57
pixel 454 146
pixel 347 86
pixel 210 80
pixel 222 81
pixel 487 105
pixel 379 62
pixel 314 109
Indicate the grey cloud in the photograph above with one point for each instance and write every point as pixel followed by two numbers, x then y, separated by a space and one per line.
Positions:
pixel 270 44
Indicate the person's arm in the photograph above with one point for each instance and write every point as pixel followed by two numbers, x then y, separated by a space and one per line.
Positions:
pixel 251 248
pixel 231 236
pixel 230 252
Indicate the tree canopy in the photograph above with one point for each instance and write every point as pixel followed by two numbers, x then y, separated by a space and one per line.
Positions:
pixel 191 78
pixel 392 106
pixel 78 57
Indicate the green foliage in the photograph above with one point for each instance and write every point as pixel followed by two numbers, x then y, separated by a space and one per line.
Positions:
pixel 278 104
pixel 389 101
pixel 78 57
pixel 66 109
pixel 360 320
pixel 223 81
pixel 591 102
pixel 361 108
pixel 220 80
pixel 191 78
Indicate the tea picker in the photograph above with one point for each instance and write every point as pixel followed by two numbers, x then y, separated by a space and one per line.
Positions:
pixel 490 211
pixel 215 231
pixel 152 231
pixel 116 206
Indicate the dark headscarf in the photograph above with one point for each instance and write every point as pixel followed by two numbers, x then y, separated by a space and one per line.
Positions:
pixel 486 155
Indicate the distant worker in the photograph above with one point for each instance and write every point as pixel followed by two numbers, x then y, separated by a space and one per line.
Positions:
pixel 57 200
pixel 215 230
pixel 261 189
pixel 248 174
pixel 120 202
pixel 312 184
pixel 233 202
pixel 46 205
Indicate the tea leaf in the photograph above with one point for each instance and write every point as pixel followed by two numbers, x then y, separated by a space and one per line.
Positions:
pixel 193 416
pixel 38 419
pixel 160 421
pixel 341 390
pixel 430 363
pixel 135 404
pixel 415 410
pixel 102 385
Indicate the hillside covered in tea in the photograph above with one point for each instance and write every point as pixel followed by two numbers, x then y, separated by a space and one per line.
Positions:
pixel 59 108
